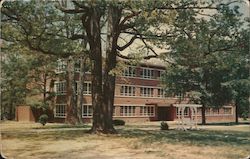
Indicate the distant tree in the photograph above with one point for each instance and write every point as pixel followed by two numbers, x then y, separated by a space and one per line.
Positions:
pixel 198 53
pixel 13 85
pixel 238 80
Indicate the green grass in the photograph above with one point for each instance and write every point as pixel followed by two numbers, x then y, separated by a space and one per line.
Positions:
pixel 194 137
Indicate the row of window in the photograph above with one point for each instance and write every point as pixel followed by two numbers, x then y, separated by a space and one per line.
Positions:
pixel 130 71
pixel 209 111
pixel 130 111
pixel 146 73
pixel 125 111
pixel 61 66
pixel 60 88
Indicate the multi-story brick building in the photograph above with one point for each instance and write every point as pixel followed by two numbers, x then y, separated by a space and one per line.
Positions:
pixel 139 96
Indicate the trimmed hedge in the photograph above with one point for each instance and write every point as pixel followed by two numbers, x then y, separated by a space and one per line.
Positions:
pixel 43 119
pixel 164 126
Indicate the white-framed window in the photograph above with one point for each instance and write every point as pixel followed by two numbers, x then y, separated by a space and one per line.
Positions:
pixel 160 93
pixel 199 111
pixel 60 87
pixel 87 88
pixel 60 110
pixel 160 73
pixel 129 72
pixel 146 92
pixel 127 110
pixel 77 66
pixel 127 91
pixel 216 111
pixel 208 111
pixel 186 111
pixel 87 110
pixel 147 111
pixel 61 66
pixel 147 73
pixel 227 111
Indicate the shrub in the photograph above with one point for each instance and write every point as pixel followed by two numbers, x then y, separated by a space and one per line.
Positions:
pixel 164 126
pixel 245 115
pixel 43 119
pixel 118 122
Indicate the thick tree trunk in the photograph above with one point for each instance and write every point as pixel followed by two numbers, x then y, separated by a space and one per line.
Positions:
pixel 71 115
pixel 93 29
pixel 114 16
pixel 203 114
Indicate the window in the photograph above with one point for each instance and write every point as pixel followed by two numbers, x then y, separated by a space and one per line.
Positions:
pixel 129 72
pixel 160 73
pixel 199 110
pixel 160 93
pixel 60 87
pixel 146 92
pixel 215 111
pixel 114 113
pixel 87 88
pixel 186 111
pixel 127 91
pixel 127 110
pixel 61 66
pixel 77 66
pixel 147 73
pixel 147 111
pixel 87 111
pixel 227 110
pixel 60 110
pixel 208 111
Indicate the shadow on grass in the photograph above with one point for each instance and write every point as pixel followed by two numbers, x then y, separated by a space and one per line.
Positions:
pixel 62 126
pixel 198 137
pixel 46 135
pixel 227 123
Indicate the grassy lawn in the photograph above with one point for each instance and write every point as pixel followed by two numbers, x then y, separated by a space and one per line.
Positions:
pixel 134 141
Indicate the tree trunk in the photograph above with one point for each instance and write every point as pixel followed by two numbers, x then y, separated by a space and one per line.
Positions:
pixel 80 89
pixel 93 30
pixel 71 115
pixel 114 16
pixel 44 88
pixel 237 111
pixel 203 114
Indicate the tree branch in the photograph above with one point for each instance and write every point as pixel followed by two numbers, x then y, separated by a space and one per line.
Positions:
pixel 133 58
pixel 121 48
pixel 128 17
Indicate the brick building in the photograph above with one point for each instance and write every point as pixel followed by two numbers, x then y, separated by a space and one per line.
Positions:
pixel 139 96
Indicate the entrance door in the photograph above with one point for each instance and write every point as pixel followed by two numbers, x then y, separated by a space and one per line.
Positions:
pixel 162 113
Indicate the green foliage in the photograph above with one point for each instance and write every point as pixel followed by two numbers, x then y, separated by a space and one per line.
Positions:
pixel 118 122
pixel 164 125
pixel 15 79
pixel 43 119
pixel 201 53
